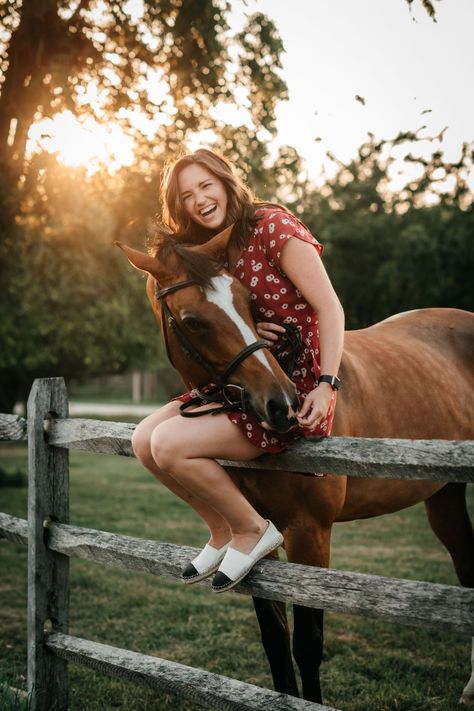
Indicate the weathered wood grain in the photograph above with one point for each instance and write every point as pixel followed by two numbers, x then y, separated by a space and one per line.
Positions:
pixel 404 601
pixel 48 572
pixel 12 427
pixel 212 691
pixel 444 460
pixel 14 529
pixel 91 435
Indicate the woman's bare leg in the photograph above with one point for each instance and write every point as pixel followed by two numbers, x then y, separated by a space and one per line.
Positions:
pixel 186 449
pixel 219 528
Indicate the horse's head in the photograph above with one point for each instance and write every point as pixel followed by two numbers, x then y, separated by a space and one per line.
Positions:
pixel 210 311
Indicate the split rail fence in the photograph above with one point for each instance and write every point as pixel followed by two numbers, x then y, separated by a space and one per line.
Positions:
pixel 52 541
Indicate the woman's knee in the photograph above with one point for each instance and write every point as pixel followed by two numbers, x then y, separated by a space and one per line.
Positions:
pixel 143 431
pixel 166 447
pixel 141 444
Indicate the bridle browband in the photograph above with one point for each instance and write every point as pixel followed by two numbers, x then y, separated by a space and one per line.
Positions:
pixel 219 379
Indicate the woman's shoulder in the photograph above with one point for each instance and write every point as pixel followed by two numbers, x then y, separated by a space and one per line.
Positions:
pixel 265 212
pixel 272 216
pixel 268 214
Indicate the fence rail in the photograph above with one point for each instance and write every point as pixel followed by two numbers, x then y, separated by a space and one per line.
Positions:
pixel 406 602
pixel 211 690
pixel 442 460
pixel 50 434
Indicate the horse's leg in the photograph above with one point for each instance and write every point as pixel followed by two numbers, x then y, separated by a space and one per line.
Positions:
pixel 449 519
pixel 271 616
pixel 309 546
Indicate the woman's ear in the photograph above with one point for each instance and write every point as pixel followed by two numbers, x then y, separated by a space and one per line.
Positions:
pixel 215 247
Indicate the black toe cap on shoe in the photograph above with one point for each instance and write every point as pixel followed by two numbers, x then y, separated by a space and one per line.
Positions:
pixel 220 580
pixel 189 572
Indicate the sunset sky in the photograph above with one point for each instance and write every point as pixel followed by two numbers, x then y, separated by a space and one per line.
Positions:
pixel 407 70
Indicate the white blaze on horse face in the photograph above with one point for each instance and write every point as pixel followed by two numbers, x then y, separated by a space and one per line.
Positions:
pixel 221 296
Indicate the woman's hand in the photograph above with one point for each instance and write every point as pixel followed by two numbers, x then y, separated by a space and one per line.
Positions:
pixel 315 407
pixel 269 332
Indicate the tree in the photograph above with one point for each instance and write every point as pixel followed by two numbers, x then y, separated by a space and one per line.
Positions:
pixel 171 64
pixel 390 251
pixel 55 48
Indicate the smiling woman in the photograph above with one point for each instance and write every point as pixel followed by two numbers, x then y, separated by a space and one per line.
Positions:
pixel 82 142
pixel 275 284
pixel 204 197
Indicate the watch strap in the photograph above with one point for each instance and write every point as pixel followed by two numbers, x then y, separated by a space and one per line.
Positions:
pixel 333 381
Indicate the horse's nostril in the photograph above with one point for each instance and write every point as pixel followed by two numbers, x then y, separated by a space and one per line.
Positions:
pixel 278 415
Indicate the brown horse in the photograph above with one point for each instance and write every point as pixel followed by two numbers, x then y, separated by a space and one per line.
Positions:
pixel 409 376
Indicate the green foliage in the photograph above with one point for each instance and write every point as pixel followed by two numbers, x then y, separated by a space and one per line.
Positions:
pixel 260 49
pixel 390 251
pixel 70 305
pixel 172 63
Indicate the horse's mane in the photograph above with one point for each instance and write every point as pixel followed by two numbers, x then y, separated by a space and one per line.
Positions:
pixel 201 268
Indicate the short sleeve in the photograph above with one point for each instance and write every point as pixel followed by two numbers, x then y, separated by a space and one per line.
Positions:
pixel 276 228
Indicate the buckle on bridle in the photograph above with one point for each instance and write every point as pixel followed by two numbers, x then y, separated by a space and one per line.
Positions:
pixel 234 395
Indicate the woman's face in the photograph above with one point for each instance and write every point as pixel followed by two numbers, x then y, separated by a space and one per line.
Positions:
pixel 203 196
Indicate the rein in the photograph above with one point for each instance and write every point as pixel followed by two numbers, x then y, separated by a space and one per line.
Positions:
pixel 228 391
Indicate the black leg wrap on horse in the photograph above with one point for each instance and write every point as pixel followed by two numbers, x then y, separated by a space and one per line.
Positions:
pixel 308 649
pixel 275 633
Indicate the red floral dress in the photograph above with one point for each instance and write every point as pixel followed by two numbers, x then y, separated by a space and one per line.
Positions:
pixel 276 299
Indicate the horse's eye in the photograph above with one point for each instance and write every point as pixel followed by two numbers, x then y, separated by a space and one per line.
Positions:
pixel 194 324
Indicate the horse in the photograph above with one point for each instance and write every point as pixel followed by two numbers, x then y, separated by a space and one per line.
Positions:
pixel 409 376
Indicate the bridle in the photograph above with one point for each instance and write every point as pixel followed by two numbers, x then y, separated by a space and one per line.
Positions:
pixel 228 391
pixel 234 397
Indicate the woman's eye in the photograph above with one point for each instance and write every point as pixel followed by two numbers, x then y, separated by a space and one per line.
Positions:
pixel 194 324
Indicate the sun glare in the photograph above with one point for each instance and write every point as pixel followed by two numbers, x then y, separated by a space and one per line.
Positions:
pixel 82 142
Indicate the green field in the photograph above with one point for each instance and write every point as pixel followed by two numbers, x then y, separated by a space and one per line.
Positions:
pixel 368 664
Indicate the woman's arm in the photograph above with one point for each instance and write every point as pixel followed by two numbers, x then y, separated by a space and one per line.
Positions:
pixel 302 264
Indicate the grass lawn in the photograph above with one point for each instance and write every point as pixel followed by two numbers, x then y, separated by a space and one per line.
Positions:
pixel 369 665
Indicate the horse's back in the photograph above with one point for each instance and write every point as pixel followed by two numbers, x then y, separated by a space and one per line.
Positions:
pixel 449 331
pixel 409 376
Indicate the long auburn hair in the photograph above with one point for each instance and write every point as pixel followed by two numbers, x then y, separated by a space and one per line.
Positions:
pixel 241 203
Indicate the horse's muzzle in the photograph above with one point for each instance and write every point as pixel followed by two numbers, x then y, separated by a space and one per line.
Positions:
pixel 280 415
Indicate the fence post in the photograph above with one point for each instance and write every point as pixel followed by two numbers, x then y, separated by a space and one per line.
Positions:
pixel 48 572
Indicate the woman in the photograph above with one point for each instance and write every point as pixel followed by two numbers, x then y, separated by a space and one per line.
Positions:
pixel 276 257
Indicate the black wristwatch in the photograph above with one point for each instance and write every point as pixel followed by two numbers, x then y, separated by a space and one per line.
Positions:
pixel 333 381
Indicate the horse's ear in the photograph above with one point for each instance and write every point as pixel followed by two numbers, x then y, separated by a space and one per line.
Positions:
pixel 140 260
pixel 216 246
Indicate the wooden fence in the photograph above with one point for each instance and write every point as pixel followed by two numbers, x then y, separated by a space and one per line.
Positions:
pixel 52 541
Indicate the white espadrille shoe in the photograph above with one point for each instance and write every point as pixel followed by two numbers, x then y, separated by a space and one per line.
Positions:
pixel 236 565
pixel 204 564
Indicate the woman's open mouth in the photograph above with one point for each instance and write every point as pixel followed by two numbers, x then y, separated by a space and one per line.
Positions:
pixel 208 211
